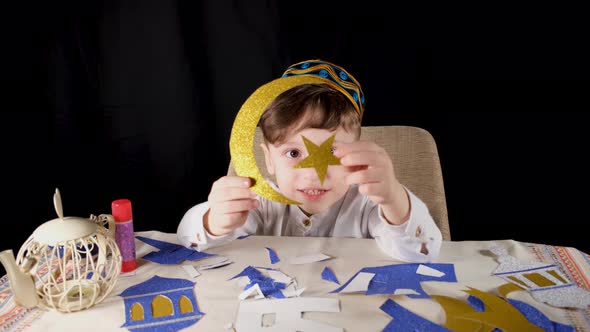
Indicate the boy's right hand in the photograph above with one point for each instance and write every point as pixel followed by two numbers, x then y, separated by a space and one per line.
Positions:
pixel 230 200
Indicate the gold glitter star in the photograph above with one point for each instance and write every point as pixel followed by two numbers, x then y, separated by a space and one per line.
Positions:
pixel 320 157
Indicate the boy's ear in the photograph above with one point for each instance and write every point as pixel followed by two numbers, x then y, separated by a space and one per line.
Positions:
pixel 267 159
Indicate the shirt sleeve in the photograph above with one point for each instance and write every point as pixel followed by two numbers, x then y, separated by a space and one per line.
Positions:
pixel 192 234
pixel 418 240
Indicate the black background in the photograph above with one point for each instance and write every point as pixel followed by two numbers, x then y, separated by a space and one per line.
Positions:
pixel 135 99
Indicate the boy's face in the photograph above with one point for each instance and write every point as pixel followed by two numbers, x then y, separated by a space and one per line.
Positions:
pixel 303 184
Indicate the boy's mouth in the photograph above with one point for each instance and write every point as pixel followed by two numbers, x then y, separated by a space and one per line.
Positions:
pixel 313 194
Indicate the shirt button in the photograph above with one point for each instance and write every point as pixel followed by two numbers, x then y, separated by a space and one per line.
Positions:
pixel 307 222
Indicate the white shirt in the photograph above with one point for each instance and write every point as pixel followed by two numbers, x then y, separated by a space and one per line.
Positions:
pixel 354 215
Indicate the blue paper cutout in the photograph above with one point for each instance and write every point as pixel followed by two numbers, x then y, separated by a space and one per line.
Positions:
pixel 268 286
pixel 169 293
pixel 171 253
pixel 249 272
pixel 476 303
pixel 329 275
pixel 241 237
pixel 531 313
pixel 388 278
pixel 273 256
pixel 538 318
pixel 405 320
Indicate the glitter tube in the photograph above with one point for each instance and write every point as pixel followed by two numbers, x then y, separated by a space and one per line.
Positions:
pixel 124 235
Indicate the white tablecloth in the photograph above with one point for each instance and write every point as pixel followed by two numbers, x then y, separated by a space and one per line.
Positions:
pixel 217 296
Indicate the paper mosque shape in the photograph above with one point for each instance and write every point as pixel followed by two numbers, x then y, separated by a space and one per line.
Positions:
pixel 160 304
pixel 545 282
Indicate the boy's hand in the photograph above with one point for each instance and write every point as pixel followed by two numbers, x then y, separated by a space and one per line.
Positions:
pixel 230 200
pixel 372 169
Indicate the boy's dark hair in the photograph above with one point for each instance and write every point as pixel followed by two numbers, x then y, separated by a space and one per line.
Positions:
pixel 308 106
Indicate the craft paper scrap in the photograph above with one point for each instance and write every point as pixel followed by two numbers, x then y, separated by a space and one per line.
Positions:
pixel 405 291
pixel 273 256
pixel 485 310
pixel 160 304
pixel 288 314
pixel 213 262
pixel 387 279
pixel 190 270
pixel 241 237
pixel 428 271
pixel 545 282
pixel 267 285
pixel 482 312
pixel 538 318
pixel 171 253
pixel 291 290
pixel 309 259
pixel 405 320
pixel 277 284
pixel 249 272
pixel 254 290
pixel 359 283
pixel 328 274
pixel 279 276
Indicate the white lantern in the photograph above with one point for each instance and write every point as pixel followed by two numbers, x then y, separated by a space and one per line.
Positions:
pixel 67 264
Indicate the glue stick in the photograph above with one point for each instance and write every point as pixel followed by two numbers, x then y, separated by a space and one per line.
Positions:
pixel 124 235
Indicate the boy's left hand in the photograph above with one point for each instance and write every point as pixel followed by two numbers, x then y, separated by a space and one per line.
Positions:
pixel 372 169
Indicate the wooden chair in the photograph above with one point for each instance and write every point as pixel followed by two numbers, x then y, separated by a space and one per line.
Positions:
pixel 415 159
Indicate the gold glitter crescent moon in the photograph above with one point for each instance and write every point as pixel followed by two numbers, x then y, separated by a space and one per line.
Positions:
pixel 241 141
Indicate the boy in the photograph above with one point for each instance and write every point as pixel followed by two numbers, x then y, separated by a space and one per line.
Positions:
pixel 360 198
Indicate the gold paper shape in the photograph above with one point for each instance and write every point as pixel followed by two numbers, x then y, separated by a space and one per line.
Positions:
pixel 518 281
pixel 241 141
pixel 320 157
pixel 162 306
pixel 508 288
pixel 497 313
pixel 136 312
pixel 185 305
pixel 556 275
pixel 538 279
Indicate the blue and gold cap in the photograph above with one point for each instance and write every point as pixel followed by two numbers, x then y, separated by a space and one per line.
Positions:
pixel 333 75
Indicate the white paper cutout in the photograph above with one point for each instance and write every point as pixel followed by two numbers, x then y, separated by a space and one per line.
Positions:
pixel 288 315
pixel 190 270
pixel 254 290
pixel 360 283
pixel 213 262
pixel 428 271
pixel 279 276
pixel 405 291
pixel 292 291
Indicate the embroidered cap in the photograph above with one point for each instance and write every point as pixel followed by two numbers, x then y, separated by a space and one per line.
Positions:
pixel 333 75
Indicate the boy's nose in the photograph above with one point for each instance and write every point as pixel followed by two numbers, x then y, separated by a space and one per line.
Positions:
pixel 309 174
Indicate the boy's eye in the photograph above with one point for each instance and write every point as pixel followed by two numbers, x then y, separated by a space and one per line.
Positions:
pixel 293 154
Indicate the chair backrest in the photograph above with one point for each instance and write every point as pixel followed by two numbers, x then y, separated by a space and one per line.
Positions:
pixel 415 159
